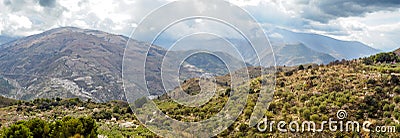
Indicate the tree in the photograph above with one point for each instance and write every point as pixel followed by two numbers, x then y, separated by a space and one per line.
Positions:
pixel 397 99
pixel 18 130
pixel 396 89
pixel 394 80
pixel 368 61
pixel 306 114
pixel 301 67
pixel 116 109
pixel 314 117
pixel 58 99
pixel 38 127
pixel 103 114
pixel 67 127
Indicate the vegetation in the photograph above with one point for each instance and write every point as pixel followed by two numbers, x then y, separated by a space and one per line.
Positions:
pixel 38 128
pixel 368 89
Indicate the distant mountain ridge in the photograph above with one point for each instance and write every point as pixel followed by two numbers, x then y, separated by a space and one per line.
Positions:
pixel 295 54
pixel 6 39
pixel 320 49
pixel 319 43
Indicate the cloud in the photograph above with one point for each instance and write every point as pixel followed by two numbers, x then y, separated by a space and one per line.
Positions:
pixel 359 20
pixel 36 16
pixel 47 3
pixel 325 10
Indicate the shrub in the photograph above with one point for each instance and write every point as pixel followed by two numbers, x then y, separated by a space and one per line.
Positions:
pixel 371 81
pixel 385 57
pixel 103 114
pixel 314 109
pixel 303 97
pixel 322 108
pixel 17 131
pixel 288 73
pixel 301 67
pixel 378 89
pixel 387 114
pixel 306 114
pixel 386 107
pixel 67 127
pixel 397 99
pixel 396 89
pixel 314 117
pixel 391 107
pixel 394 80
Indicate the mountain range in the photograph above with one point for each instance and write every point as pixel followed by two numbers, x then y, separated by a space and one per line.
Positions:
pixel 291 48
pixel 71 62
pixel 337 48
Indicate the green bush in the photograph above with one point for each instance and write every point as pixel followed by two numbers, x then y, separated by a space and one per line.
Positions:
pixel 306 114
pixel 397 99
pixel 301 67
pixel 314 109
pixel 385 57
pixel 387 114
pixel 67 127
pixel 322 108
pixel 103 114
pixel 378 89
pixel 314 117
pixel 386 107
pixel 396 89
pixel 18 130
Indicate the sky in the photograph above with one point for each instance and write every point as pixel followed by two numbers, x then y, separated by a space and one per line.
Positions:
pixel 372 22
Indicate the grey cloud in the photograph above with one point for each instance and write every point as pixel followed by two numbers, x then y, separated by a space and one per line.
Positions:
pixel 325 10
pixel 47 3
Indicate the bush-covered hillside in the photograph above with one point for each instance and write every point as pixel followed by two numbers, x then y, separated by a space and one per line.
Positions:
pixel 368 89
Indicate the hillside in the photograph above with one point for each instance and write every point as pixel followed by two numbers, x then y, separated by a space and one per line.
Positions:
pixel 367 92
pixel 71 62
pixel 4 102
pixel 296 54
pixel 64 62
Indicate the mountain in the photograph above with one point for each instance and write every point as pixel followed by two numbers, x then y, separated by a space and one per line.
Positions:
pixel 64 62
pixel 295 54
pixel 310 48
pixel 319 43
pixel 71 62
pixel 6 39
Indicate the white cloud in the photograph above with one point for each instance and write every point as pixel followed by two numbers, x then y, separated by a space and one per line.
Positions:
pixel 19 22
pixel 379 29
pixel 28 17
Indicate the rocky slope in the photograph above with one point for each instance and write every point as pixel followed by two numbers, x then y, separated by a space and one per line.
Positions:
pixel 71 62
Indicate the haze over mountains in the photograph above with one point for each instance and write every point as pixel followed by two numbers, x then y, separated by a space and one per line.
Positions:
pixel 6 39
pixel 292 48
pixel 323 44
pixel 72 62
